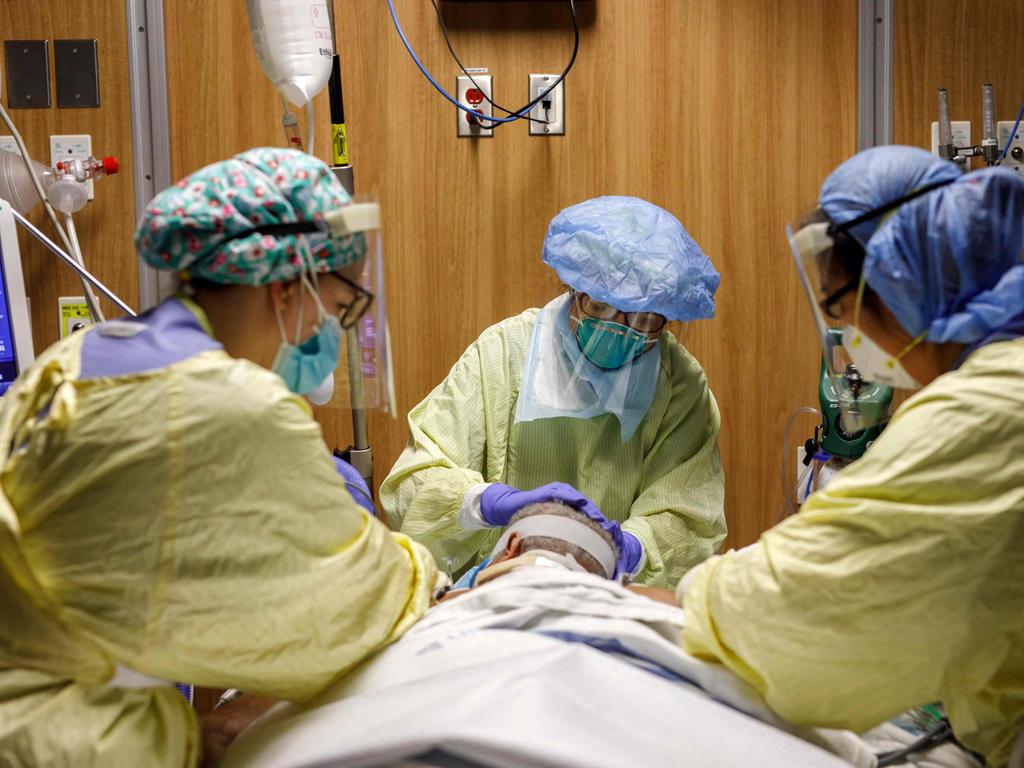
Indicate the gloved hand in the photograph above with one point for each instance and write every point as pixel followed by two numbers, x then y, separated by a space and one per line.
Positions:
pixel 500 502
pixel 630 554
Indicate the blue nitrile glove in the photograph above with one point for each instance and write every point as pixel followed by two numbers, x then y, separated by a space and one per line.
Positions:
pixel 630 555
pixel 499 502
pixel 355 484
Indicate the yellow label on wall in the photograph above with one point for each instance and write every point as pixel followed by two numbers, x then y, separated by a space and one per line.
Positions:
pixel 340 143
pixel 74 315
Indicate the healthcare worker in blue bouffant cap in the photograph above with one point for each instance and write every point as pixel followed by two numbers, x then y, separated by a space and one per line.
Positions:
pixel 589 401
pixel 902 582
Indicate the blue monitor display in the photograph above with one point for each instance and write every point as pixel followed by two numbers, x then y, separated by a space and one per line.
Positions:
pixel 8 359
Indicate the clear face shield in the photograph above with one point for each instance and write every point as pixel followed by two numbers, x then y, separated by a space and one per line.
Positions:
pixel 862 404
pixel 827 281
pixel 363 379
pixel 587 359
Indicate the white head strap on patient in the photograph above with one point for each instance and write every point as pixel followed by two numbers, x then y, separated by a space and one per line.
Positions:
pixel 564 529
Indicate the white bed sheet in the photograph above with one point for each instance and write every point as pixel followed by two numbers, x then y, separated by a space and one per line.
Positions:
pixel 542 668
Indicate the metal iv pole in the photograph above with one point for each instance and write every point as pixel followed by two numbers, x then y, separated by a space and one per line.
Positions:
pixel 359 454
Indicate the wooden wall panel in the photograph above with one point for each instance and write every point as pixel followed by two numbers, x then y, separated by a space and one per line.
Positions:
pixel 729 114
pixel 956 44
pixel 105 226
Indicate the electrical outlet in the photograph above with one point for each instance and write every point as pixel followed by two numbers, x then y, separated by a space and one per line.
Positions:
pixel 553 113
pixel 69 148
pixel 961 138
pixel 74 314
pixel 1015 154
pixel 475 97
pixel 8 143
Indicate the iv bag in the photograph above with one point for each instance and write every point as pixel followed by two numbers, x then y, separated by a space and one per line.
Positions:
pixel 294 46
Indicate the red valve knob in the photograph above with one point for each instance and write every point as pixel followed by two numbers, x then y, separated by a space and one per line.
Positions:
pixel 111 166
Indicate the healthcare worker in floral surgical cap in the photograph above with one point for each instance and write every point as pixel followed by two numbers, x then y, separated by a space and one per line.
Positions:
pixel 901 583
pixel 588 401
pixel 169 511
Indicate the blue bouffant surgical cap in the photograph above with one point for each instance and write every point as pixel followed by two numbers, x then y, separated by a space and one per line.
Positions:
pixel 633 255
pixel 948 263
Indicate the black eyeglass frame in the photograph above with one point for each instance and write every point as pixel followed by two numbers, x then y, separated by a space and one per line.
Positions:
pixel 627 315
pixel 358 307
pixel 835 230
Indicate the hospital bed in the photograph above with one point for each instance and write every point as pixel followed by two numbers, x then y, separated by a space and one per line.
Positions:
pixel 542 668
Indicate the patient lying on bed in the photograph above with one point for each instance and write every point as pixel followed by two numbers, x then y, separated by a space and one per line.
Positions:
pixel 539 658
pixel 548 534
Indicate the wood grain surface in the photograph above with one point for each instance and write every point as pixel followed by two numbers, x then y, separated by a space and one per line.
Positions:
pixel 728 114
pixel 959 45
pixel 105 225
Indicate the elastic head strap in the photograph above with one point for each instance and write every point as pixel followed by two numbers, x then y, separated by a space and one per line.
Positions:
pixel 564 529
pixel 892 205
pixel 277 230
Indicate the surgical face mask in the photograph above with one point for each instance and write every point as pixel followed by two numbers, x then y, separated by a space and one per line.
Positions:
pixel 306 365
pixel 610 345
pixel 874 363
pixel 322 394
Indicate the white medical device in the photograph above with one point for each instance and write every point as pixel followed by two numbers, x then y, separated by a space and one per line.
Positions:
pixel 16 352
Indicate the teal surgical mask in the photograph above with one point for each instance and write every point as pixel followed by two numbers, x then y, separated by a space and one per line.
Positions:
pixel 305 366
pixel 610 345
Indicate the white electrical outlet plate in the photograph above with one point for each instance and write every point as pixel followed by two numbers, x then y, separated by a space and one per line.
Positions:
pixel 554 116
pixel 1016 143
pixel 961 137
pixel 74 314
pixel 69 148
pixel 472 96
pixel 8 143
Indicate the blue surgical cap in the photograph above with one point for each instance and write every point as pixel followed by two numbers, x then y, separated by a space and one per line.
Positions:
pixel 877 176
pixel 948 263
pixel 633 255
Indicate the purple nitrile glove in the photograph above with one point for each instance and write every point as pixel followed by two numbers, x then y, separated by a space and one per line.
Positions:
pixel 500 502
pixel 355 484
pixel 630 554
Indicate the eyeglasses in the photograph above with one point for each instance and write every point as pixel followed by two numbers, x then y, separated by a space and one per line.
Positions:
pixel 829 303
pixel 837 231
pixel 358 307
pixel 645 322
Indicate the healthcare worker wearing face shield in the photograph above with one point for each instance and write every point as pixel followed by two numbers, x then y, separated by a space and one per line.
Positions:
pixel 169 511
pixel 902 582
pixel 588 401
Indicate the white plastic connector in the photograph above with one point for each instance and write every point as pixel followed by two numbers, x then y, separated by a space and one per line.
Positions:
pixel 67 195
pixel 78 146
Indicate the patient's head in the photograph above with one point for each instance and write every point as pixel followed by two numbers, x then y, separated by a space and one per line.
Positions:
pixel 528 538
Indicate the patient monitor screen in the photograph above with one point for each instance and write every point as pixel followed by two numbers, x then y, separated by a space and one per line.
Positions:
pixel 8 360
